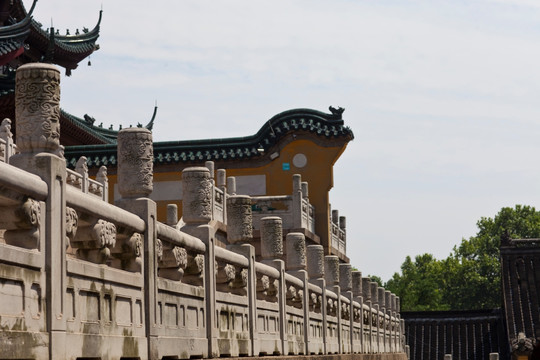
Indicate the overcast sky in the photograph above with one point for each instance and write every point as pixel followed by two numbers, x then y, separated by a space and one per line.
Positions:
pixel 442 96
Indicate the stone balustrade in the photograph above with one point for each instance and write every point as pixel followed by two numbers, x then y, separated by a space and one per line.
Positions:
pixel 338 232
pixel 81 278
pixel 295 210
pixel 79 179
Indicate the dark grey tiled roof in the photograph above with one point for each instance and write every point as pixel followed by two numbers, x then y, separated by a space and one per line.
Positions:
pixel 520 260
pixel 470 335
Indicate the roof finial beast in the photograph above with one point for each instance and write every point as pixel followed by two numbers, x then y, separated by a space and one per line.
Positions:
pixel 338 113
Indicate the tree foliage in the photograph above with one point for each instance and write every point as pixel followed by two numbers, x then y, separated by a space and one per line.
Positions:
pixel 469 278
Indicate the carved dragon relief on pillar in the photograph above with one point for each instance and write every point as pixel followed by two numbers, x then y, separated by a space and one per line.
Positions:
pixel 22 224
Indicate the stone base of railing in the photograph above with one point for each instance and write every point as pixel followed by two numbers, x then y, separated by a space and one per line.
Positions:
pixel 386 356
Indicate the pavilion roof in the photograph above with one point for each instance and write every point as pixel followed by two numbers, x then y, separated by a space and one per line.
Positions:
pixel 30 42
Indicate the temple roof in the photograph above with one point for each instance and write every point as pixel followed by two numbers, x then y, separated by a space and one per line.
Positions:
pixel 26 38
pixel 322 125
pixel 13 34
pixel 469 334
pixel 520 260
pixel 87 128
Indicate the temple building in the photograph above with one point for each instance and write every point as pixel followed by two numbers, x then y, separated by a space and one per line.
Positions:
pixel 301 141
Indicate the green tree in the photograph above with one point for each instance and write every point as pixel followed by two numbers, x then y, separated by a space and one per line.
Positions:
pixel 473 278
pixel 376 279
pixel 470 277
pixel 419 285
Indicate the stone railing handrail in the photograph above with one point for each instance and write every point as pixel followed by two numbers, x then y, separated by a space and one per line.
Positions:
pixel 231 257
pixel 22 182
pixel 255 199
pixel 91 205
pixel 314 288
pixel 267 270
pixel 179 238
pixel 331 294
pixel 293 280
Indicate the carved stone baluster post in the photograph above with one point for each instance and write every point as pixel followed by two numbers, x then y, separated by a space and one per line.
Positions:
pixel 221 179
pixel 272 254
pixel 296 265
pixel 401 330
pixel 309 213
pixel 82 169
pixel 231 185
pixel 305 190
pixel 315 266
pixel 331 272
pixel 297 201
pixel 7 136
pixel 135 184
pixel 197 190
pixel 343 228
pixel 239 219
pixel 357 296
pixel 197 195
pixel 388 329
pixel 210 166
pixel 240 236
pixel 101 177
pixel 376 324
pixel 394 320
pixel 37 110
pixel 172 215
pixel 335 217
pixel 382 317
pixel 366 294
pixel 345 284
pixel 334 230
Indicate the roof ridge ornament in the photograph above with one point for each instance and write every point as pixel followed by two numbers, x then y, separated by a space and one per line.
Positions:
pixel 150 125
pixel 338 113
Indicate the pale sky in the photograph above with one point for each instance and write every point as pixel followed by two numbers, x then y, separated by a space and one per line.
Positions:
pixel 442 96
